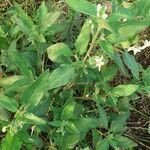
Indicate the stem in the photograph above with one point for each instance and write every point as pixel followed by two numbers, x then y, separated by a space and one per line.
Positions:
pixel 92 44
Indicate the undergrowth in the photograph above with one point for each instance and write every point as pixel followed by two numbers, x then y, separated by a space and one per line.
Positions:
pixel 71 76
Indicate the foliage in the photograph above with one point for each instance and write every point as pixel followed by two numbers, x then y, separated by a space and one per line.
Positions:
pixel 52 94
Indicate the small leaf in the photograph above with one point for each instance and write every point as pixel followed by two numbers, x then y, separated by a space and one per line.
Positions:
pixel 22 63
pixel 7 81
pixel 146 77
pixel 120 64
pixel 107 48
pixel 48 20
pixel 34 93
pixel 8 103
pixel 102 145
pixel 61 76
pixel 125 90
pixel 83 39
pixel 11 142
pixel 102 117
pixel 118 122
pixel 124 142
pixel 58 51
pixel 25 22
pixel 110 72
pixel 82 6
pixel 32 119
pixel 131 63
pixel 68 110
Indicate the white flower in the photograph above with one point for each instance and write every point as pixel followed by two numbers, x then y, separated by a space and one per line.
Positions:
pixel 125 19
pixel 99 62
pixel 134 49
pixel 99 7
pixel 104 16
pixel 4 129
pixel 138 49
pixel 146 44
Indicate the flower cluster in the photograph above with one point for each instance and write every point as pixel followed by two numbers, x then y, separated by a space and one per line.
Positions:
pixel 138 49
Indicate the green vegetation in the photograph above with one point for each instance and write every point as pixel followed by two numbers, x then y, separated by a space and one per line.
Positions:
pixel 70 76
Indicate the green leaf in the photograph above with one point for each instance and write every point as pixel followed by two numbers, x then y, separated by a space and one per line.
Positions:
pixel 22 64
pixel 41 13
pixel 48 20
pixel 58 51
pixel 146 77
pixel 130 61
pixel 8 103
pixel 118 122
pixel 120 64
pixel 82 6
pixel 102 145
pixel 11 142
pixel 34 93
pixel 125 90
pixel 107 48
pixel 61 76
pixel 85 124
pixel 25 22
pixel 32 119
pixel 68 141
pixel 102 117
pixel 7 81
pixel 128 30
pixel 124 142
pixel 83 39
pixel 110 72
pixel 68 111
pixel 16 85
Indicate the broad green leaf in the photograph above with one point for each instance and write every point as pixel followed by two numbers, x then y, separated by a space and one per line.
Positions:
pixel 41 13
pixel 83 39
pixel 128 30
pixel 125 90
pixel 143 7
pixel 85 124
pixel 34 93
pixel 103 145
pixel 25 22
pixel 68 110
pixel 48 20
pixel 118 61
pixel 61 76
pixel 22 63
pixel 110 72
pixel 68 141
pixel 7 81
pixel 11 142
pixel 16 85
pixel 8 103
pixel 102 117
pixel 130 61
pixel 118 122
pixel 82 6
pixel 58 51
pixel 107 48
pixel 124 142
pixel 32 119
